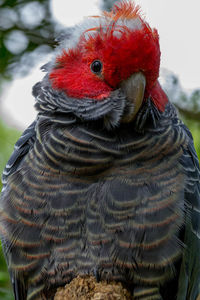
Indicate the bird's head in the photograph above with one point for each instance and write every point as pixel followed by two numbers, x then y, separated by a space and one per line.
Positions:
pixel 112 60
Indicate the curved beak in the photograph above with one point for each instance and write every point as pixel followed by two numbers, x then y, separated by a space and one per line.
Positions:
pixel 134 88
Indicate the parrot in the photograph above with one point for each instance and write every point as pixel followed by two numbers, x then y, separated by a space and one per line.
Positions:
pixel 106 180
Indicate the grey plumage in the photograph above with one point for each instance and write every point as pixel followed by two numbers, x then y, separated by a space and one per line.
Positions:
pixel 86 192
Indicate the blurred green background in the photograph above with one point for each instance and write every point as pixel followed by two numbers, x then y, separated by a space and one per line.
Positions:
pixel 19 38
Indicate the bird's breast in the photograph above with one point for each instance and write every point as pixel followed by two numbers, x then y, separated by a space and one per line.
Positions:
pixel 86 201
pixel 121 192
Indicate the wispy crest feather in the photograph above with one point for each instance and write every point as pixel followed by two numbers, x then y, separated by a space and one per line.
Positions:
pixel 124 10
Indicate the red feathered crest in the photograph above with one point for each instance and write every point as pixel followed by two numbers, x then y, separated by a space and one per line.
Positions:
pixel 124 10
pixel 124 43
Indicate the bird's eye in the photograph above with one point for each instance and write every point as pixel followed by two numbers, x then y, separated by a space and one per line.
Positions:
pixel 96 66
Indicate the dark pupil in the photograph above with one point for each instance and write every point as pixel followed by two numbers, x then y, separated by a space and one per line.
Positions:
pixel 96 66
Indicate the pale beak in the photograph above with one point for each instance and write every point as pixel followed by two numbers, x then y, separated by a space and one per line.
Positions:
pixel 134 88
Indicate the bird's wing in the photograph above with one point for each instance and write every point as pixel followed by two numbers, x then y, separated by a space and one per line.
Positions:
pixel 189 280
pixel 22 147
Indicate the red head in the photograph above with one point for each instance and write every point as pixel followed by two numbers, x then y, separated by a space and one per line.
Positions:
pixel 123 43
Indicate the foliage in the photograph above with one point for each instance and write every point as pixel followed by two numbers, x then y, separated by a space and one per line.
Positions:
pixel 26 27
pixel 194 127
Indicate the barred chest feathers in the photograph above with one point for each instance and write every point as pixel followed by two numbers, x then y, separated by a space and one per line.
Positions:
pixel 119 199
